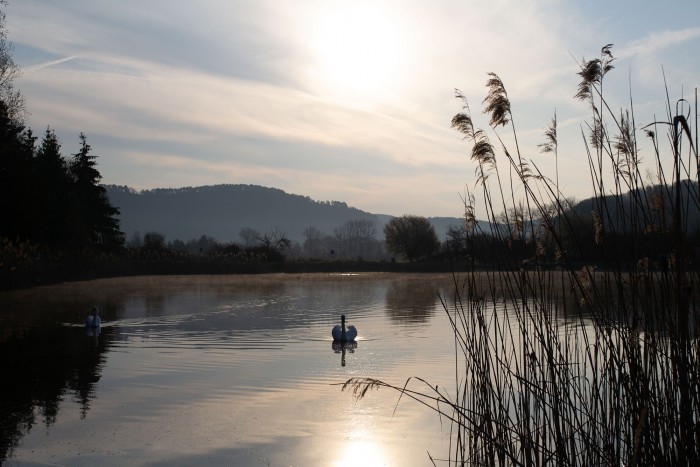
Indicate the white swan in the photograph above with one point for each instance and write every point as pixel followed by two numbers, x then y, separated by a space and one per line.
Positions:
pixel 93 320
pixel 341 334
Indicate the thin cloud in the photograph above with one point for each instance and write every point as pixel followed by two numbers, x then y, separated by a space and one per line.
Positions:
pixel 50 64
pixel 656 42
pixel 204 104
pixel 236 92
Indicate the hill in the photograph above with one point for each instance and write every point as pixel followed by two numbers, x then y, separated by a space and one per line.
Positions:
pixel 649 205
pixel 221 211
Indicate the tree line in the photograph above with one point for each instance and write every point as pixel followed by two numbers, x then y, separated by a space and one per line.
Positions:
pixel 53 203
pixel 45 198
pixel 49 200
pixel 409 238
pixel 56 204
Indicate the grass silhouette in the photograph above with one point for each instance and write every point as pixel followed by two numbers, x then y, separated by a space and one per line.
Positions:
pixel 581 346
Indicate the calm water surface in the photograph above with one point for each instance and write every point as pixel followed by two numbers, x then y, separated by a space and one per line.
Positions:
pixel 222 370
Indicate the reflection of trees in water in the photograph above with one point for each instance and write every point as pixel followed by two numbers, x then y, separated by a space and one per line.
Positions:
pixel 166 296
pixel 411 302
pixel 39 367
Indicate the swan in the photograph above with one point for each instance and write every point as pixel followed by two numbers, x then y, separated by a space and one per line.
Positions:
pixel 341 334
pixel 93 320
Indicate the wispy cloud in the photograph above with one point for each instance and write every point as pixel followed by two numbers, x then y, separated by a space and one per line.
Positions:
pixel 239 91
pixel 49 64
pixel 658 41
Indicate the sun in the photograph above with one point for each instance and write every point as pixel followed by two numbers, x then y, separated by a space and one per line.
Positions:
pixel 357 50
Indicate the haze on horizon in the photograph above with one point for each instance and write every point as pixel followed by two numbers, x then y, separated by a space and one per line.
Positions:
pixel 334 100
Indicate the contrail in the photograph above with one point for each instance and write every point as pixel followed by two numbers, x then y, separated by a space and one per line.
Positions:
pixel 51 63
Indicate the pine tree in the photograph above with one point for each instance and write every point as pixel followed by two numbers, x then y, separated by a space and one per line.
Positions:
pixel 44 199
pixel 16 168
pixel 16 148
pixel 95 222
pixel 52 193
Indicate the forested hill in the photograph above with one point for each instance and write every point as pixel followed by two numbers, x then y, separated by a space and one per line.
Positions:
pixel 221 211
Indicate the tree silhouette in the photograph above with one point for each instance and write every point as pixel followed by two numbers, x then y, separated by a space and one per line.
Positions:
pixel 16 168
pixel 96 223
pixel 44 199
pixel 51 185
pixel 412 237
pixel 9 71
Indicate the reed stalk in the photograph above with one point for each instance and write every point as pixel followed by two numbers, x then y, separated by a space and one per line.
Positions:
pixel 577 344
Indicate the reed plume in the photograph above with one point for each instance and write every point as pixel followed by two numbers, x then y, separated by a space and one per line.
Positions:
pixel 576 343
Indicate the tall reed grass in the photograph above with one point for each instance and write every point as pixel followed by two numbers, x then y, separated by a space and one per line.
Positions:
pixel 586 353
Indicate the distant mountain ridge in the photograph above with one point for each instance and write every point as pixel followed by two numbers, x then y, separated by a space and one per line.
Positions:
pixel 221 211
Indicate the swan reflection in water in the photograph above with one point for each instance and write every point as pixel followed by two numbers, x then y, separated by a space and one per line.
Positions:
pixel 343 338
pixel 342 347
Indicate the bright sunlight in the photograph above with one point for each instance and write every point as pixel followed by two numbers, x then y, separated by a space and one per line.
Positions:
pixel 358 50
pixel 364 453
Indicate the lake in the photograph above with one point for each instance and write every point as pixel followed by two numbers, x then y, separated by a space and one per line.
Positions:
pixel 223 370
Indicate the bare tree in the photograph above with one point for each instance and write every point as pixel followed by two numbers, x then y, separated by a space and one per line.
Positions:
pixel 276 241
pixel 357 238
pixel 9 72
pixel 314 246
pixel 249 236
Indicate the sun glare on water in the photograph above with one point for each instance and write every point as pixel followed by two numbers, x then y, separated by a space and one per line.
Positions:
pixel 364 453
pixel 357 49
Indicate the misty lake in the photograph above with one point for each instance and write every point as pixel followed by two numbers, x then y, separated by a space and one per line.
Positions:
pixel 222 370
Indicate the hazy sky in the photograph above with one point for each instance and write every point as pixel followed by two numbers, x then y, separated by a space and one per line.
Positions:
pixel 336 100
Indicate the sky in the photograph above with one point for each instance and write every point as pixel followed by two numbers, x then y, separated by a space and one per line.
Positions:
pixel 336 100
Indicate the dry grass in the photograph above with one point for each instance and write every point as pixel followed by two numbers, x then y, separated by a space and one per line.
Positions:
pixel 574 364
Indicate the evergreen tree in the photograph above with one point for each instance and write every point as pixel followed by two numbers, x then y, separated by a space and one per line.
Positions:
pixel 95 222
pixel 44 199
pixel 16 168
pixel 16 148
pixel 52 188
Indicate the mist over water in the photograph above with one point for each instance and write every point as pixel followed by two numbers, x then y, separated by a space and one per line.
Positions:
pixel 222 370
